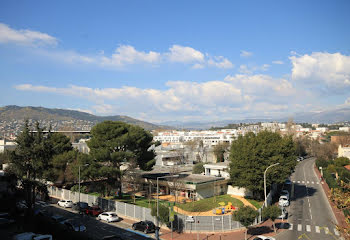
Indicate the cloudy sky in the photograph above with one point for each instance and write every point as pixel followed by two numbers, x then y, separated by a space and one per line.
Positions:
pixel 176 60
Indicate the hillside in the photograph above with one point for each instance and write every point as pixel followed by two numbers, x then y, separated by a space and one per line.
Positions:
pixel 11 113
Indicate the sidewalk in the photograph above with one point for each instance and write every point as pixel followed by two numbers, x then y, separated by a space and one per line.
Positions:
pixel 265 229
pixel 339 215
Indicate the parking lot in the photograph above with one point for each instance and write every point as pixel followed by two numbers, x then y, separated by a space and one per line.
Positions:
pixel 97 229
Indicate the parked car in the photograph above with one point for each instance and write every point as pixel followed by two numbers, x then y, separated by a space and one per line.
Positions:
pixel 144 226
pixel 261 237
pixel 21 205
pixel 285 193
pixel 65 203
pixel 108 216
pixel 287 182
pixel 5 222
pixel 94 211
pixel 31 236
pixel 284 213
pixel 58 219
pixel 74 225
pixel 80 206
pixel 283 201
pixel 112 237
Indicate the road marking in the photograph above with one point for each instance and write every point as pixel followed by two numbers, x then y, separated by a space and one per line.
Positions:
pixel 290 226
pixel 302 182
pixel 326 230
pixel 293 181
pixel 336 232
pixel 308 228
pixel 312 182
pixel 307 182
pixel 317 183
pixel 317 229
pixel 322 182
pixel 298 181
pixel 300 227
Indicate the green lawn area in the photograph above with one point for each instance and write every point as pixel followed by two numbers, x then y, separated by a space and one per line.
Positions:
pixel 257 204
pixel 139 201
pixel 208 204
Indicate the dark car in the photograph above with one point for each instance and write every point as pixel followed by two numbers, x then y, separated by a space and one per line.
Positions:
pixel 94 211
pixel 144 226
pixel 74 225
pixel 80 206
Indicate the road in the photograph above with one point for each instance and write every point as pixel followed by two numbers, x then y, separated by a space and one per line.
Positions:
pixel 310 215
pixel 99 229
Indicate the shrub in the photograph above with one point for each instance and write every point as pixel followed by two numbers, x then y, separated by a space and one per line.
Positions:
pixel 198 168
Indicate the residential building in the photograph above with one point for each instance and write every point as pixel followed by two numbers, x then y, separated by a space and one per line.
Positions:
pixel 220 169
pixel 344 151
pixel 7 145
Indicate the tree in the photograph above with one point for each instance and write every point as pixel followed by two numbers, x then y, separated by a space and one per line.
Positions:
pixel 113 143
pixel 323 151
pixel 272 212
pixel 251 154
pixel 219 151
pixel 30 160
pixel 163 212
pixel 198 168
pixel 60 143
pixel 246 216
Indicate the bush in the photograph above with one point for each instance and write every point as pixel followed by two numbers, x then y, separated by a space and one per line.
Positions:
pixel 341 161
pixel 198 168
pixel 83 189
pixel 332 183
pixel 320 162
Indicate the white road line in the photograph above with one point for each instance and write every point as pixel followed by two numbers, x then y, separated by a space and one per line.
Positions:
pixel 302 182
pixel 312 182
pixel 300 227
pixel 317 228
pixel 298 181
pixel 326 230
pixel 293 181
pixel 336 232
pixel 290 226
pixel 317 183
pixel 308 228
pixel 307 182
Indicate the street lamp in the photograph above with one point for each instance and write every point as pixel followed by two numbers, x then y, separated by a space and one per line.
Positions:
pixel 265 180
pixel 79 182
pixel 157 229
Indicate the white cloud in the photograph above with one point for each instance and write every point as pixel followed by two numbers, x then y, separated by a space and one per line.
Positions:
pixel 183 54
pixel 246 54
pixel 220 62
pixel 126 54
pixel 25 37
pixel 251 69
pixel 329 70
pixel 278 62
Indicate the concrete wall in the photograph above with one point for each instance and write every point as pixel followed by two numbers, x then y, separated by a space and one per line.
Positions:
pixel 239 191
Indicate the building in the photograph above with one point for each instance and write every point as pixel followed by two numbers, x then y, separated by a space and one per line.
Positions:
pixel 344 151
pixel 81 146
pixel 220 169
pixel 7 145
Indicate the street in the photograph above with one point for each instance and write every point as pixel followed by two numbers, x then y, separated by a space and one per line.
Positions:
pixel 310 215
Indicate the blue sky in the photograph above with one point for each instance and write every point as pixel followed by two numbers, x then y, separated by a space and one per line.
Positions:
pixel 180 60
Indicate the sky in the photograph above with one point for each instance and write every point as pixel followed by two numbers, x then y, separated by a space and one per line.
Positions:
pixel 178 60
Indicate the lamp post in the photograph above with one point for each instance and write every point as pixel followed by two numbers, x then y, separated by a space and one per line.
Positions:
pixel 265 180
pixel 79 182
pixel 157 229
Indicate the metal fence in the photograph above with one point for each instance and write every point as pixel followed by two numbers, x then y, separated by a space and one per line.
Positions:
pixel 185 223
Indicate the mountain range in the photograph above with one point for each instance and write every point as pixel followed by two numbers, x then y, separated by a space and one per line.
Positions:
pixel 9 113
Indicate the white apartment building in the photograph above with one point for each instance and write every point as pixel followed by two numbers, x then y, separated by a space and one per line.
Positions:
pixel 344 151
pixel 6 145
pixel 322 129
pixel 209 138
pixel 344 129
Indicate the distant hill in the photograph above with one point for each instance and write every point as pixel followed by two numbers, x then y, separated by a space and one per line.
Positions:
pixel 10 113
pixel 328 116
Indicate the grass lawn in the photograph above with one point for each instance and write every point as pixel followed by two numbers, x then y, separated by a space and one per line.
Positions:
pixel 208 204
pixel 257 204
pixel 140 201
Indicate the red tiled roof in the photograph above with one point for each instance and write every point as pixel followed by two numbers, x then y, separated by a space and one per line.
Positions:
pixel 347 167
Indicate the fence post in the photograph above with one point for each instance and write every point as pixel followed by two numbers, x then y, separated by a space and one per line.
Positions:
pixel 222 223
pixel 230 221
pixel 134 211
pixel 213 223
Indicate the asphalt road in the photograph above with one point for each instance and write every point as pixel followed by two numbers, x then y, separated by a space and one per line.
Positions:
pixel 99 229
pixel 310 215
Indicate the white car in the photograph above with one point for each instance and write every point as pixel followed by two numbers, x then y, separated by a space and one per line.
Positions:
pixel 285 193
pixel 65 203
pixel 108 216
pixel 283 201
pixel 261 237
